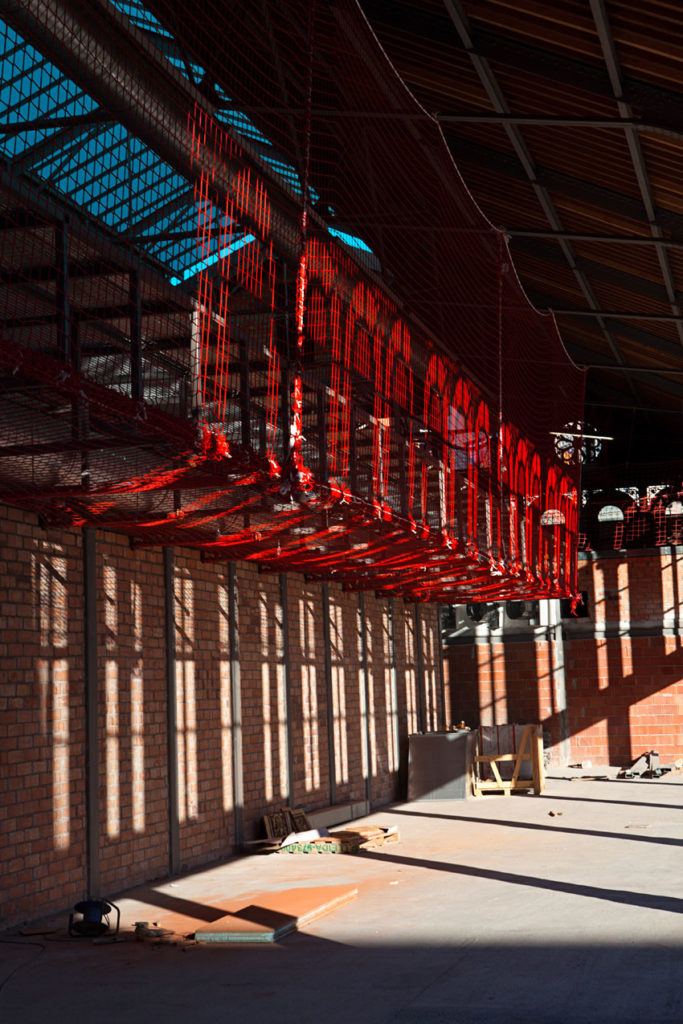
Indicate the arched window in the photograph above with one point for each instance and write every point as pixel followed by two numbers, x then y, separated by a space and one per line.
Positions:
pixel 610 514
pixel 552 517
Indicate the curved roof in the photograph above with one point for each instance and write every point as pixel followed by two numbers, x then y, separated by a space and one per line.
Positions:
pixel 566 121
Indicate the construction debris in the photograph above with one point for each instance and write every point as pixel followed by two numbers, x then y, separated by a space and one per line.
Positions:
pixel 353 840
pixel 289 831
pixel 646 766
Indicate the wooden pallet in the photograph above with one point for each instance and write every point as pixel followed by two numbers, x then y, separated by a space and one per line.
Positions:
pixel 288 819
pixel 530 750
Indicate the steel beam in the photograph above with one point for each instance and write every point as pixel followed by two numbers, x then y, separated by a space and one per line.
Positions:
pixel 571 236
pixel 655 102
pixel 42 123
pixel 631 283
pixel 601 19
pixel 533 120
pixel 501 163
pixel 137 386
pixel 76 132
pixel 245 402
pixel 496 98
pixel 50 272
pixel 664 348
pixel 615 314
pixel 63 290
pixel 323 473
pixel 152 105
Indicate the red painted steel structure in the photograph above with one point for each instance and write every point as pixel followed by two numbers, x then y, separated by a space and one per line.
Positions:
pixel 380 414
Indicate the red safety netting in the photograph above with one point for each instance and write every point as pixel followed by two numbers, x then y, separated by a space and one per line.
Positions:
pixel 625 507
pixel 345 380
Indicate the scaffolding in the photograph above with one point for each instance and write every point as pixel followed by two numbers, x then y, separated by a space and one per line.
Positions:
pixel 249 306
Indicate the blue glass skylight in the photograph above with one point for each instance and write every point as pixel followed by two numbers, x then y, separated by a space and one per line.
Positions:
pixel 32 88
pixel 211 260
pixel 141 16
pixel 108 172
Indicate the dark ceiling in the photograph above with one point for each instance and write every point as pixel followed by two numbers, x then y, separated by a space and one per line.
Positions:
pixel 565 119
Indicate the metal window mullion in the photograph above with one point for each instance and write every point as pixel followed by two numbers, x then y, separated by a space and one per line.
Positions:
pixel 235 706
pixel 419 664
pixel 287 673
pixel 365 699
pixel 329 687
pixel 171 714
pixel 92 744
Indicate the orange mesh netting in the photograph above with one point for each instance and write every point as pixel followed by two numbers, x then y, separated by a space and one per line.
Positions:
pixel 250 306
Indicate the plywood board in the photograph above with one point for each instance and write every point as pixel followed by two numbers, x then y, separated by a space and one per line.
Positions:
pixel 271 915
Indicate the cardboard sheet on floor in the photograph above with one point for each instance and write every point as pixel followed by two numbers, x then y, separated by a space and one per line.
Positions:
pixel 270 916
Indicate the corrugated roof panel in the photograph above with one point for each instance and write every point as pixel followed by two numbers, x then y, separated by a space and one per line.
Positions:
pixel 491 136
pixel 505 201
pixel 636 353
pixel 638 261
pixel 664 158
pixel 594 155
pixel 617 298
pixel 647 39
pixel 580 216
pixel 549 278
pixel 676 264
pixel 528 92
pixel 565 25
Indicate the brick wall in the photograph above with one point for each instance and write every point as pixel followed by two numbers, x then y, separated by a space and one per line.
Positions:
pixel 623 665
pixel 42 719
pixel 132 724
pixel 307 694
pixel 312 728
pixel 264 695
pixel 347 680
pixel 382 702
pixel 203 709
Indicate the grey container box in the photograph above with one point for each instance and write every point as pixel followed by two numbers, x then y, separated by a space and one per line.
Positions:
pixel 439 765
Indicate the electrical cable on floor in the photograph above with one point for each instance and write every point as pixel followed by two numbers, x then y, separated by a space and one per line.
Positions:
pixel 16 942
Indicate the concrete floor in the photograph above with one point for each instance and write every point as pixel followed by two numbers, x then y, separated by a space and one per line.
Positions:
pixel 488 911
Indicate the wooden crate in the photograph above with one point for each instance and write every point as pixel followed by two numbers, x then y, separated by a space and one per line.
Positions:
pixel 530 750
